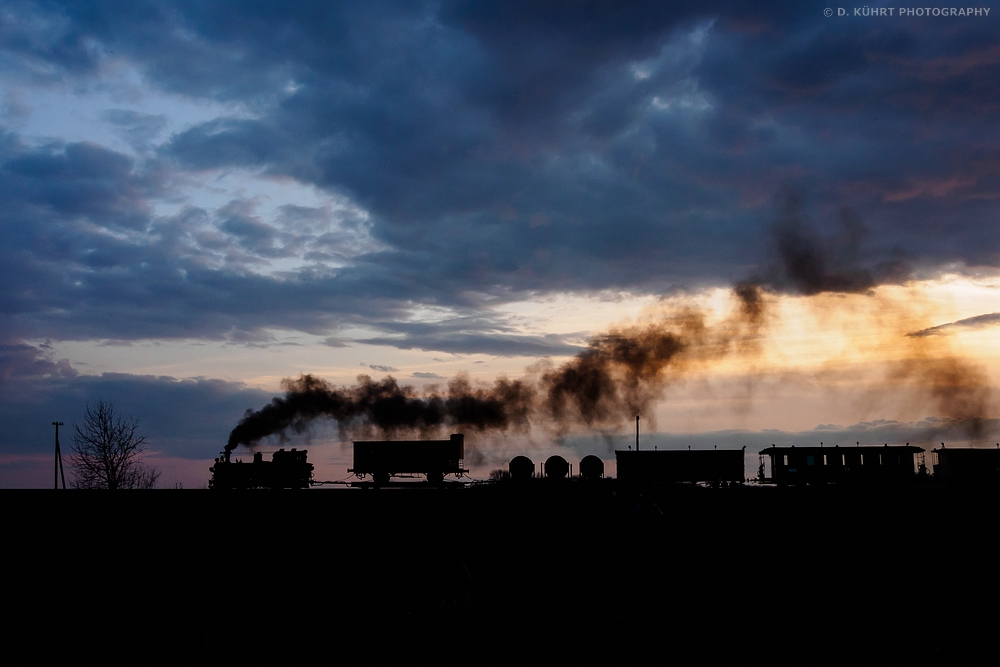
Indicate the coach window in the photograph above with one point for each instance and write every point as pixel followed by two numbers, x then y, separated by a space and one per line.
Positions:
pixel 810 460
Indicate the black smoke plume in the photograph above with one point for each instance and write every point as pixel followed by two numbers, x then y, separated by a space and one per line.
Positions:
pixel 961 391
pixel 622 372
pixel 619 375
pixel 387 407
pixel 809 263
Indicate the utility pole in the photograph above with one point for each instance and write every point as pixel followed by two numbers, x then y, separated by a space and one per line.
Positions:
pixel 637 433
pixel 59 465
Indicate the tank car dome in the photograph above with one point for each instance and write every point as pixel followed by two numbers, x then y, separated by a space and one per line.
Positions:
pixel 591 467
pixel 521 467
pixel 556 467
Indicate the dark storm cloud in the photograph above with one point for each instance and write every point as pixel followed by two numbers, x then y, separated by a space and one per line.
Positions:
pixel 88 259
pixel 181 418
pixel 641 132
pixel 73 181
pixel 85 257
pixel 500 150
pixel 19 360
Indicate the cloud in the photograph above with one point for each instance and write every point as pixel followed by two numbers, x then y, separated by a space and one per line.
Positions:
pixel 381 369
pixel 85 256
pixel 487 154
pixel 138 129
pixel 501 345
pixel 427 376
pixel 20 361
pixel 977 322
pixel 182 418
pixel 334 342
pixel 467 173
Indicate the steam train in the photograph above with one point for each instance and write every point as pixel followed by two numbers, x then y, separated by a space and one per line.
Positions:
pixel 285 470
pixel 382 463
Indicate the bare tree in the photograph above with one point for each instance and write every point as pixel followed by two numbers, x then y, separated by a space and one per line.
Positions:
pixel 107 451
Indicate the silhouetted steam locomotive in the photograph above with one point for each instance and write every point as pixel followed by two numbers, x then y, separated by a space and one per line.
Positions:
pixel 285 470
pixel 384 460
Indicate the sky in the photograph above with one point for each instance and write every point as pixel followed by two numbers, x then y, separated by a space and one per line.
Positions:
pixel 198 202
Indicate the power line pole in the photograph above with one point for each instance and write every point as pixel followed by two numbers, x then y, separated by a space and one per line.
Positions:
pixel 59 465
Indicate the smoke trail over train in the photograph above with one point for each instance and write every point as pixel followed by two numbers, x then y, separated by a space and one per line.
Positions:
pixel 620 374
pixel 626 370
pixel 388 408
pixel 807 263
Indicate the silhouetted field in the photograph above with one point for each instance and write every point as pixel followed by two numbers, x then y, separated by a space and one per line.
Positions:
pixel 553 570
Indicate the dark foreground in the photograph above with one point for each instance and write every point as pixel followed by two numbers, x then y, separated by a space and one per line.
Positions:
pixel 545 572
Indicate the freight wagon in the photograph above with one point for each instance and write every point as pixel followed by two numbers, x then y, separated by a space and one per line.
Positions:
pixel 385 459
